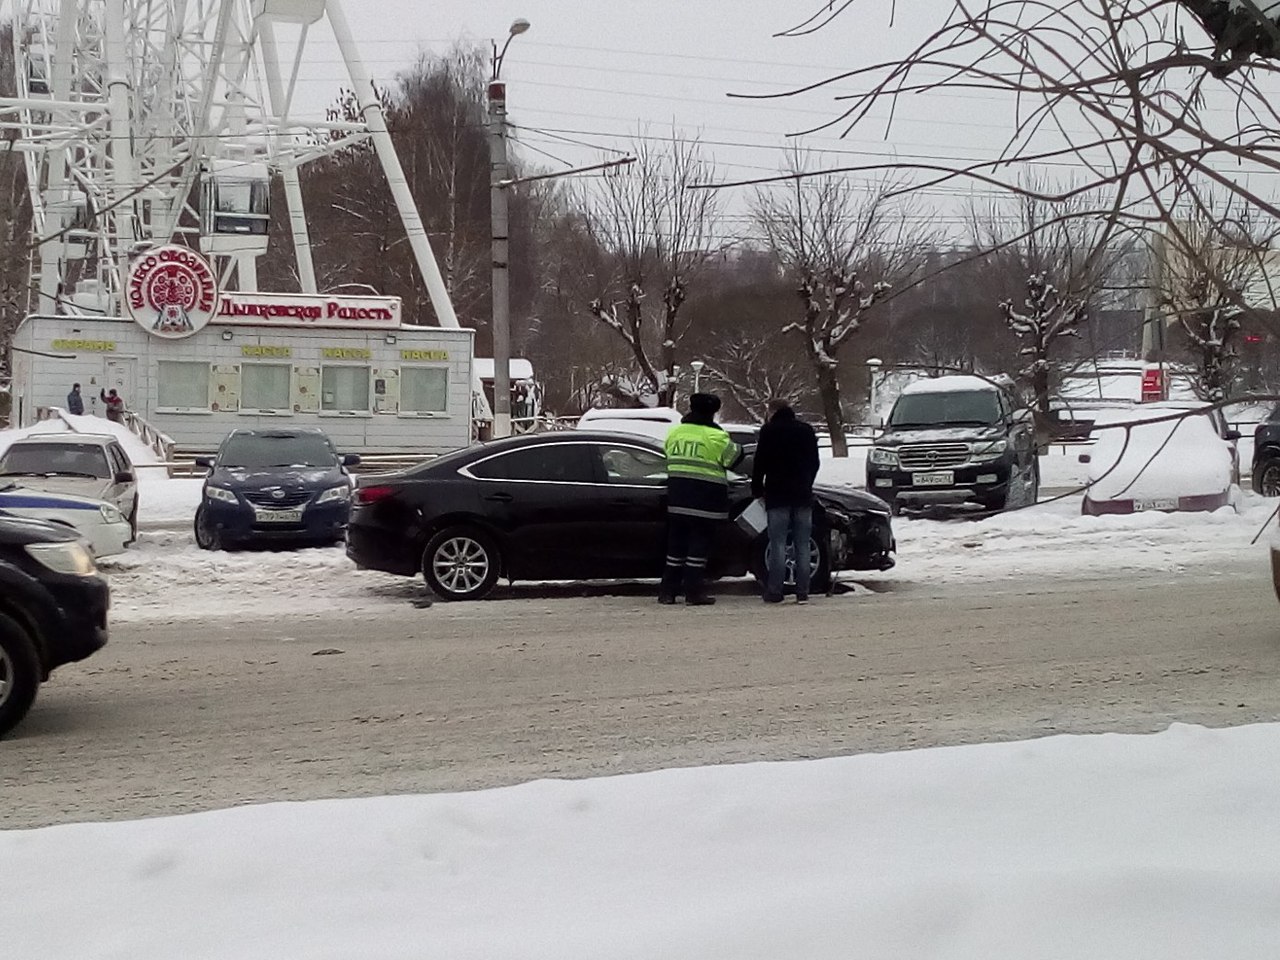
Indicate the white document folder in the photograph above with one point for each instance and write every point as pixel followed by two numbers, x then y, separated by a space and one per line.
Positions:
pixel 755 519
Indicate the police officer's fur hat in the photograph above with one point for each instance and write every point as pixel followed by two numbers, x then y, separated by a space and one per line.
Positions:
pixel 704 404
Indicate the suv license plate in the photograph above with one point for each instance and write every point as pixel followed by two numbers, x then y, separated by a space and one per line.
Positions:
pixel 938 478
pixel 279 516
pixel 1163 503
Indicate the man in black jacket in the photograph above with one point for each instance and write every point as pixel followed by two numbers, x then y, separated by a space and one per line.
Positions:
pixel 785 467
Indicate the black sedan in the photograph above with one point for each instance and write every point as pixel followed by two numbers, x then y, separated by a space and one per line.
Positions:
pixel 577 505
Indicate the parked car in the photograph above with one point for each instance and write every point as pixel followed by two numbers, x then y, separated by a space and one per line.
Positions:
pixel 1183 464
pixel 574 505
pixel 272 485
pixel 1266 455
pixel 656 423
pixel 53 609
pixel 957 439
pixel 98 523
pixel 80 464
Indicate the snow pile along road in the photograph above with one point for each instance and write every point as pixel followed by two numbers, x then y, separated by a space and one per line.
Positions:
pixel 1158 847
pixel 166 577
pixel 1053 539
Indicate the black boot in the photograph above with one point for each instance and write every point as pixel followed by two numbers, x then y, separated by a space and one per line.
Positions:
pixel 670 586
pixel 699 600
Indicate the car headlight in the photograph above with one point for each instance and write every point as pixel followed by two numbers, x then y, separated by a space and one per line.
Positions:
pixel 884 456
pixel 988 449
pixel 218 493
pixel 335 493
pixel 70 557
pixel 110 514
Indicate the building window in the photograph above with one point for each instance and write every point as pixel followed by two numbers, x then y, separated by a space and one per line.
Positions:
pixel 424 389
pixel 344 388
pixel 265 386
pixel 182 385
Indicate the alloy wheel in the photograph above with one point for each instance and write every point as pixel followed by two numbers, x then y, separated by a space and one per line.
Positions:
pixel 460 564
pixel 1270 485
pixel 815 562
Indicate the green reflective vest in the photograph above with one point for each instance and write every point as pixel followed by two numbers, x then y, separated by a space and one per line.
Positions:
pixel 698 452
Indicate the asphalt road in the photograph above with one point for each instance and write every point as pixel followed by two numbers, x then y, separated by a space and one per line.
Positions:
pixel 182 717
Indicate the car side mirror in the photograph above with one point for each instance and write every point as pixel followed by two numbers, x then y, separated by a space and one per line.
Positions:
pixel 1086 458
pixel 206 462
pixel 1232 435
pixel 124 476
pixel 351 460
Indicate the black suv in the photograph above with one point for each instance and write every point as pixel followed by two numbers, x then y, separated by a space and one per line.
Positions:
pixel 53 609
pixel 1266 455
pixel 953 440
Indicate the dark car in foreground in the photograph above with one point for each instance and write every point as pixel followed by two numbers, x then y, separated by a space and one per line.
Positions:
pixel 53 609
pixel 274 485
pixel 577 505
pixel 1266 455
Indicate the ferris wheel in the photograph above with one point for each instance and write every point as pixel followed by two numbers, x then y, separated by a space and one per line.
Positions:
pixel 146 122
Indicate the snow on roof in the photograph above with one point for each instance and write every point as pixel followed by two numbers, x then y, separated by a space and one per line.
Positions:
pixel 949 384
pixel 518 368
pixel 1160 460
pixel 654 414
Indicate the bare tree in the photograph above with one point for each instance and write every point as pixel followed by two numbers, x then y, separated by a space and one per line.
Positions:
pixel 1209 274
pixel 1060 257
pixel 1163 105
pixel 845 244
pixel 656 235
pixel 751 372
pixel 1049 317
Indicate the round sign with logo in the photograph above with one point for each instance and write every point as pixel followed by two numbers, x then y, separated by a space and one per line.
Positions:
pixel 171 292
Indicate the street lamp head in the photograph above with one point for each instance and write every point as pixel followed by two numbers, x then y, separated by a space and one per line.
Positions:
pixel 697 365
pixel 519 26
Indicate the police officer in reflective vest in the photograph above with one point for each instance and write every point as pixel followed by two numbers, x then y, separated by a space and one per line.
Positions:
pixel 698 454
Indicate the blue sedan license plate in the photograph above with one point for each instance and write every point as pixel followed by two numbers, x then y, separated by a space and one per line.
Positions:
pixel 279 516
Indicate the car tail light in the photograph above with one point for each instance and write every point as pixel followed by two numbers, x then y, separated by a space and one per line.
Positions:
pixel 366 495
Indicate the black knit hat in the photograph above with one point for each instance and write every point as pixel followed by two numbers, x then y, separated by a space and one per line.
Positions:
pixel 704 404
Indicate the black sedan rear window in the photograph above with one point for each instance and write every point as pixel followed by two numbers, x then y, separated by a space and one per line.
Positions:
pixel 255 451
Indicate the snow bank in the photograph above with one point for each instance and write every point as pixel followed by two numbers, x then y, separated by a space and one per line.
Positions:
pixel 1054 540
pixel 1158 847
pixel 166 577
pixel 138 451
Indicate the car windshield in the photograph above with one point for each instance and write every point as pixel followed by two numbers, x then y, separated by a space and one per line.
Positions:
pixel 962 408
pixel 255 451
pixel 54 459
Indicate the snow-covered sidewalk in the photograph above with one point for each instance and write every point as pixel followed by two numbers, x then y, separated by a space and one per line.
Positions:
pixel 1157 847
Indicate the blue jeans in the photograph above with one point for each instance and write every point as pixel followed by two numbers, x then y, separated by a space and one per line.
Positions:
pixel 796 522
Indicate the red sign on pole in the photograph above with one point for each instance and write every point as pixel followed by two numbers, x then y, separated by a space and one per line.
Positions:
pixel 1152 384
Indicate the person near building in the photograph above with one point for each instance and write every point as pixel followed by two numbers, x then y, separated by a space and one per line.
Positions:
pixel 75 402
pixel 698 454
pixel 114 404
pixel 786 464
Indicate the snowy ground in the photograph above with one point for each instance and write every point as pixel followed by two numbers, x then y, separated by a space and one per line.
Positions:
pixel 1157 847
pixel 166 577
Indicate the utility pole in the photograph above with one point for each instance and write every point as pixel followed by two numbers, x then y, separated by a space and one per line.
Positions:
pixel 498 185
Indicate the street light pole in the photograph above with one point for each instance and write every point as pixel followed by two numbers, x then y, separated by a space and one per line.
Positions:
pixel 697 375
pixel 498 177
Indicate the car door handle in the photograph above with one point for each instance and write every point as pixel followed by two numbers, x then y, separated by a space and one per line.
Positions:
pixel 499 497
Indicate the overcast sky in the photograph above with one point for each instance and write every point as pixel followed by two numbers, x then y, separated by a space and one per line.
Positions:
pixel 596 72
pixel 588 75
